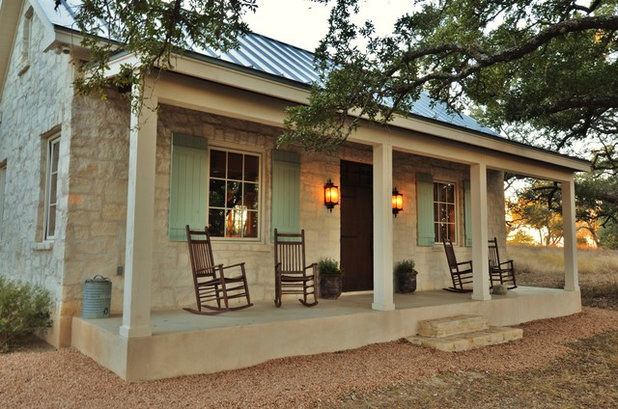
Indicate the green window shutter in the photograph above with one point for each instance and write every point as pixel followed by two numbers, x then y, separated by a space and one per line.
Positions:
pixel 286 192
pixel 424 199
pixel 467 213
pixel 188 183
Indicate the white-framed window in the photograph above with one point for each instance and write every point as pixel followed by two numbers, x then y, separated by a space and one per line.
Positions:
pixel 51 186
pixel 234 193
pixel 2 196
pixel 26 35
pixel 444 211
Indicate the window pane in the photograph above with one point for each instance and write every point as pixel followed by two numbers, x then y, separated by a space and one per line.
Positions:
pixel 251 226
pixel 442 196
pixel 234 194
pixel 436 231
pixel 217 193
pixel 53 185
pixel 215 223
pixel 251 168
pixel 443 231
pixel 436 212
pixel 235 221
pixel 234 166
pixel 217 164
pixel 450 193
pixel 451 232
pixel 443 214
pixel 54 156
pixel 251 195
pixel 450 213
pixel 51 221
pixel 436 191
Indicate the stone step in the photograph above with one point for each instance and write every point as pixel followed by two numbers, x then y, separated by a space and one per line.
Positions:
pixel 464 342
pixel 445 327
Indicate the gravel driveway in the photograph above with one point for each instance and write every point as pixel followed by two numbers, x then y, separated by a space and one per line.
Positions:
pixel 45 378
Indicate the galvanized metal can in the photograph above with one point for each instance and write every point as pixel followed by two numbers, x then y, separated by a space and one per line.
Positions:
pixel 97 297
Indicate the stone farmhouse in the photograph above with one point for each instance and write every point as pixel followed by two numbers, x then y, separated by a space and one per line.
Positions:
pixel 83 191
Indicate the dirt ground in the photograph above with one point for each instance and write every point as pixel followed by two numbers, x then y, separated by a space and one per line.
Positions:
pixel 559 362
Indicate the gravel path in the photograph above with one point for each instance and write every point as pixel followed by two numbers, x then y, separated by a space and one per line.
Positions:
pixel 66 379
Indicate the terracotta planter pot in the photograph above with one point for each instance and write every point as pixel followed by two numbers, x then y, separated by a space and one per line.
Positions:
pixel 331 286
pixel 406 282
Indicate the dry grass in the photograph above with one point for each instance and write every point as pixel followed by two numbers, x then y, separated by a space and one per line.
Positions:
pixel 544 267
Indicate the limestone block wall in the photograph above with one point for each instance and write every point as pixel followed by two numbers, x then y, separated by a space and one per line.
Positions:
pixel 36 104
pixel 97 200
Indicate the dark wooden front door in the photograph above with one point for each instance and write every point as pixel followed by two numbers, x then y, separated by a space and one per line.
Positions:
pixel 357 226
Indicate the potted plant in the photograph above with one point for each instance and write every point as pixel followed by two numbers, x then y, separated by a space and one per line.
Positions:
pixel 331 278
pixel 406 276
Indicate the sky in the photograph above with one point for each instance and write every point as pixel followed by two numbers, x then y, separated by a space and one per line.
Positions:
pixel 303 23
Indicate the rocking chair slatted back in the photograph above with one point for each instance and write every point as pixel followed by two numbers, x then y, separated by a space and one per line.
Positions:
pixel 292 276
pixel 200 253
pixel 290 253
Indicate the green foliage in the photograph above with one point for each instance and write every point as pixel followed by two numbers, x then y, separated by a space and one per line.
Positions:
pixel 329 266
pixel 154 31
pixel 405 267
pixel 23 310
pixel 521 238
pixel 538 206
pixel 608 235
pixel 545 71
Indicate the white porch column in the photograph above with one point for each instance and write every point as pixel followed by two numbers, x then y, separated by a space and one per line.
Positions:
pixel 478 199
pixel 571 279
pixel 382 228
pixel 140 217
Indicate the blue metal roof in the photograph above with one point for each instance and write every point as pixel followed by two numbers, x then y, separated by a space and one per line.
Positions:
pixel 275 58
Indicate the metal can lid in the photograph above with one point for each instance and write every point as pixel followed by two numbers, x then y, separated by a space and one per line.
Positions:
pixel 98 278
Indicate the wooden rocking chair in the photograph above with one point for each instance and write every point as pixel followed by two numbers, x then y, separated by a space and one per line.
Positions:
pixel 500 272
pixel 291 274
pixel 213 290
pixel 461 273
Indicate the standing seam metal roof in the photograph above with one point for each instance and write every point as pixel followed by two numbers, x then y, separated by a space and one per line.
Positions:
pixel 273 57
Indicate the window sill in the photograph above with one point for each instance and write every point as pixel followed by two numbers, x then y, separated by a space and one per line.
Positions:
pixel 43 245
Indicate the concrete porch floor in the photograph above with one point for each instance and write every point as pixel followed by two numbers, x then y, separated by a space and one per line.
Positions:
pixel 184 343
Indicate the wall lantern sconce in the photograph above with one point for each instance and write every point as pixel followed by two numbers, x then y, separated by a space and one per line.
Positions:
pixel 397 202
pixel 331 195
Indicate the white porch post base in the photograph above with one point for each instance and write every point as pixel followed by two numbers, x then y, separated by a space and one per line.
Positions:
pixel 480 264
pixel 140 216
pixel 382 228
pixel 571 275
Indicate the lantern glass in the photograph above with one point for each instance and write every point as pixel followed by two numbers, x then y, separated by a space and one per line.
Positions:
pixel 397 202
pixel 331 195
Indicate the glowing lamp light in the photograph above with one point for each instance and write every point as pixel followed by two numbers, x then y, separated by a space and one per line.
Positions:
pixel 331 195
pixel 397 202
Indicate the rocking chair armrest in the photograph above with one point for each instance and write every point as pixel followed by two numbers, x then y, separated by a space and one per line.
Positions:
pixel 314 266
pixel 233 265
pixel 507 262
pixel 209 269
pixel 465 262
